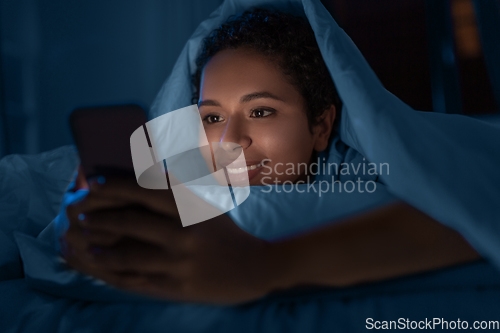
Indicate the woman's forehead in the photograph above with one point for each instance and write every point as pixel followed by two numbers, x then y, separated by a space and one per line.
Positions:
pixel 242 71
pixel 237 61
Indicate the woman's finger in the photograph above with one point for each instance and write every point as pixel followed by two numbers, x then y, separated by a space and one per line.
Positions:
pixel 80 181
pixel 140 224
pixel 101 237
pixel 75 237
pixel 134 256
pixel 124 280
pixel 78 260
pixel 159 286
pixel 80 238
pixel 147 280
pixel 126 190
pixel 91 202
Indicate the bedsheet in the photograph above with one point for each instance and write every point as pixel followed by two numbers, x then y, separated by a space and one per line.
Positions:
pixel 437 295
pixel 40 294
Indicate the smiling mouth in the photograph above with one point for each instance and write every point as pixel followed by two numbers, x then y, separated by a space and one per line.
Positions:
pixel 244 169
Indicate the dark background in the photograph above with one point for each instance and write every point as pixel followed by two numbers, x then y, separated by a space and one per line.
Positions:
pixel 57 55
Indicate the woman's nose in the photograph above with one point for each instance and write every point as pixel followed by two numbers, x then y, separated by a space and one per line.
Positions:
pixel 235 135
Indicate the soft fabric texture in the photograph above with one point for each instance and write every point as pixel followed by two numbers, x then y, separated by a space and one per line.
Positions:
pixel 53 298
pixel 445 165
pixel 31 190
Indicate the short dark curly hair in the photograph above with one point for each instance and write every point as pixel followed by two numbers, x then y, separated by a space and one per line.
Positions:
pixel 289 42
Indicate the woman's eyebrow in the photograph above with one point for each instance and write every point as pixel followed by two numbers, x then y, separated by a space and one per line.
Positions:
pixel 260 94
pixel 243 99
pixel 208 102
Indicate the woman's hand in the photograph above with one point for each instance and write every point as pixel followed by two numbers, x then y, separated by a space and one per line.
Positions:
pixel 133 238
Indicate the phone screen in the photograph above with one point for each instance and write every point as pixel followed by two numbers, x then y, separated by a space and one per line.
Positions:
pixel 102 136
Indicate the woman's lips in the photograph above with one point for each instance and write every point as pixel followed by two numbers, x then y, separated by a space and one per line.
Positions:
pixel 237 175
pixel 248 167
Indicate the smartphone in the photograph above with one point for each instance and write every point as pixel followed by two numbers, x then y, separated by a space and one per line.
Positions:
pixel 102 137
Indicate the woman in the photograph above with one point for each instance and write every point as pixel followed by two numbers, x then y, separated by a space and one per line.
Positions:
pixel 262 84
pixel 245 98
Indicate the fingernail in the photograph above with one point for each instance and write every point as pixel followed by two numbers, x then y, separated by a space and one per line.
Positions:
pixel 96 181
pixel 82 220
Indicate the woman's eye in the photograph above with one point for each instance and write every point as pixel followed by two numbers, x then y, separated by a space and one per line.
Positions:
pixel 212 118
pixel 260 113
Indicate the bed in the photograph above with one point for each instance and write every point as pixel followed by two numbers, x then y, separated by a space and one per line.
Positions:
pixel 41 294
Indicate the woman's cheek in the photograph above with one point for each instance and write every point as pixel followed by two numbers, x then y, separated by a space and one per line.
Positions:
pixel 290 148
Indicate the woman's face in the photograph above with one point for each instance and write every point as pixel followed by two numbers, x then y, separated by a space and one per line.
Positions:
pixel 247 101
